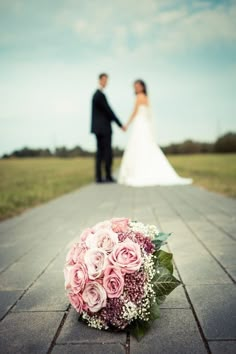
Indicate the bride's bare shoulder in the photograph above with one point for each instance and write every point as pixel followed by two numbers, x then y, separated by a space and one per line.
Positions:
pixel 142 99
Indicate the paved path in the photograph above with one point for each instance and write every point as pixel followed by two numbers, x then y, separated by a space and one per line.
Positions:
pixel 199 317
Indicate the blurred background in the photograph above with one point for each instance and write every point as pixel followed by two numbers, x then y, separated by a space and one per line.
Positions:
pixel 51 53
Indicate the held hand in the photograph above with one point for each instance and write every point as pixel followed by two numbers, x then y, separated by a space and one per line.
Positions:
pixel 124 128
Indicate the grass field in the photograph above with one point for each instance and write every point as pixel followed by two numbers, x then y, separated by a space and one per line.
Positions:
pixel 215 172
pixel 28 182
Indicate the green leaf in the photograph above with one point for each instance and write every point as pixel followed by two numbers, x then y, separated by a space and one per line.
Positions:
pixel 164 283
pixel 160 299
pixel 165 259
pixel 162 236
pixel 138 329
pixel 160 239
pixel 154 311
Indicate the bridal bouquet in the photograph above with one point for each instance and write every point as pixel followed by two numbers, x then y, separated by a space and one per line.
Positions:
pixel 116 276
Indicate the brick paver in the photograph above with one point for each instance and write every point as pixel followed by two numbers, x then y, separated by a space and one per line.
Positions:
pixel 198 317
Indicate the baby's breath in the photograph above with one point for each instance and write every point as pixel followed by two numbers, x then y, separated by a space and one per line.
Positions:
pixel 94 321
pixel 152 231
pixel 141 310
pixel 147 230
pixel 130 311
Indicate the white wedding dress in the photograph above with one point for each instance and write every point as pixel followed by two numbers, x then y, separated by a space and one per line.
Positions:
pixel 143 162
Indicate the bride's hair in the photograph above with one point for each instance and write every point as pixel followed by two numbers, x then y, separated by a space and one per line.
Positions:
pixel 142 83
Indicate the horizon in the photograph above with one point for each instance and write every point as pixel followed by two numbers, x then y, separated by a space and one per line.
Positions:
pixel 51 55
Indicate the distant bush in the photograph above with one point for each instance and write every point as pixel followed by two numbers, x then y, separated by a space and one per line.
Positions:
pixel 59 152
pixel 28 152
pixel 117 152
pixel 226 143
pixel 74 152
pixel 188 147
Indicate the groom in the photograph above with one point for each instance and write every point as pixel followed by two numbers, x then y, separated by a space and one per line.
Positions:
pixel 102 116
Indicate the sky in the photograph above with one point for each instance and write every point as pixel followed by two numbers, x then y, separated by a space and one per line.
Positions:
pixel 51 53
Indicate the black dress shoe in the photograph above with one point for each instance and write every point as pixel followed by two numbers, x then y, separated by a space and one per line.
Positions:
pixel 110 180
pixel 99 181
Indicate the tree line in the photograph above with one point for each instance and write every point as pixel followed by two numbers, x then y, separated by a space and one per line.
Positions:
pixel 224 144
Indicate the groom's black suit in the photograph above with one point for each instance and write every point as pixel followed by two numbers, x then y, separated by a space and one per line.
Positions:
pixel 102 116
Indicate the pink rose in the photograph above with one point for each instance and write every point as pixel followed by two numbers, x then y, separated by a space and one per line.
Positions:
pixel 75 254
pixel 94 296
pixel 76 301
pixel 102 238
pixel 96 261
pixel 85 234
pixel 102 225
pixel 127 256
pixel 113 282
pixel 76 277
pixel 120 224
pixel 66 272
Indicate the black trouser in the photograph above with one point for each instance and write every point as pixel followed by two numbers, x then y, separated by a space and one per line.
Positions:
pixel 104 154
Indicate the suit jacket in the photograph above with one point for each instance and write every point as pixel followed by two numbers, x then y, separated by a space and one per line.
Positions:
pixel 102 115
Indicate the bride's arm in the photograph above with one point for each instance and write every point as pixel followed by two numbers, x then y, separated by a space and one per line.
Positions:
pixel 137 103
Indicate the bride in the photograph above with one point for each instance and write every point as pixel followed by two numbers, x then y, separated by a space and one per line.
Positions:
pixel 143 162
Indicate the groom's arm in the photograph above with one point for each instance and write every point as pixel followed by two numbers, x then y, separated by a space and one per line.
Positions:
pixel 102 102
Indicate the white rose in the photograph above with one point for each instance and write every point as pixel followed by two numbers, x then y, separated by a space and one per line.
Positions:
pixel 103 238
pixel 96 261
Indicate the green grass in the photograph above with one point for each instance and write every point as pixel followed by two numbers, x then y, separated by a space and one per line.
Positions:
pixel 216 172
pixel 28 182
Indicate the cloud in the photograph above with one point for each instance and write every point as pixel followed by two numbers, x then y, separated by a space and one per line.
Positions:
pixel 170 17
pixel 98 23
pixel 119 28
pixel 178 31
pixel 209 27
pixel 141 28
pixel 123 27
